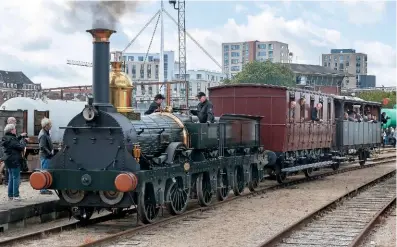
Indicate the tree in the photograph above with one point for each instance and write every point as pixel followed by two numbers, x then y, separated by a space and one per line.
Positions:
pixel 378 96
pixel 266 73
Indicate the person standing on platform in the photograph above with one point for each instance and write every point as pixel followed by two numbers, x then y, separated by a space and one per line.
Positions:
pixel 13 159
pixel 46 148
pixel 22 137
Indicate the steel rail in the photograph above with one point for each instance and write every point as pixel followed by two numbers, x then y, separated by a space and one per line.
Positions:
pixel 277 239
pixel 100 219
pixel 68 226
pixel 134 231
pixel 358 240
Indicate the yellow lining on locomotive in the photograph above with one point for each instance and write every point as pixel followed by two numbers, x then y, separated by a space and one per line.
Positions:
pixel 180 124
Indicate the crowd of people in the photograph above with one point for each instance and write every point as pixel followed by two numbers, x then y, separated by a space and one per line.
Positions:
pixel 13 147
pixel 351 115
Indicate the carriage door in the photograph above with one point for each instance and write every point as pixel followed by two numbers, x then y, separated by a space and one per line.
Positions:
pixel 311 125
pixel 291 111
pixel 38 116
pixel 19 115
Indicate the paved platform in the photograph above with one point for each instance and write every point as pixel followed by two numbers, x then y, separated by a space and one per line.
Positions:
pixel 33 207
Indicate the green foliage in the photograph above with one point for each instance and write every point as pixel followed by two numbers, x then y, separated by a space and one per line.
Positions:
pixel 227 81
pixel 266 73
pixel 378 96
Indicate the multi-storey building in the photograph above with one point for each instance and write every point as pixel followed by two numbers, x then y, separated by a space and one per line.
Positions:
pixel 17 84
pixel 199 81
pixel 146 68
pixel 235 55
pixel 142 68
pixel 347 61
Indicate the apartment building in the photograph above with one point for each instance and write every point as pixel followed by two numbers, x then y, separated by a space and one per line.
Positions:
pixel 235 55
pixel 347 61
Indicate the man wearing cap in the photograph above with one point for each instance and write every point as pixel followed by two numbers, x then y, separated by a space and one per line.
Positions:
pixel 155 105
pixel 205 112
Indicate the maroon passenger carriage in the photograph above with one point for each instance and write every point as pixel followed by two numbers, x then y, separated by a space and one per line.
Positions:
pixel 300 144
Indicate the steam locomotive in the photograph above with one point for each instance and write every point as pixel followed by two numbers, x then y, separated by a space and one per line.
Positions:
pixel 113 158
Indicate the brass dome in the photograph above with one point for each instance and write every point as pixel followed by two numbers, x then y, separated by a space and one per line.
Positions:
pixel 119 78
pixel 120 89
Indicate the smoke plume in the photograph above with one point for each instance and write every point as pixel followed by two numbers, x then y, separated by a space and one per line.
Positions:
pixel 103 14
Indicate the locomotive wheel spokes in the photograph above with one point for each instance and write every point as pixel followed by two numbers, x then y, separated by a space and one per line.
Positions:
pixel 177 198
pixel 238 185
pixel 204 192
pixel 85 214
pixel 253 184
pixel 222 192
pixel 147 206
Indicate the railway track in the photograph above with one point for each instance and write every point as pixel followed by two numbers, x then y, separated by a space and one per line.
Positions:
pixel 127 228
pixel 343 222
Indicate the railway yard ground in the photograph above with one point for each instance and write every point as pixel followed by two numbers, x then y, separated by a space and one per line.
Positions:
pixel 243 222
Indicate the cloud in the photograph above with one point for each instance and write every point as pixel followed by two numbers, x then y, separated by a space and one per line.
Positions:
pixel 42 55
pixel 355 11
pixel 381 61
pixel 239 8
pixel 365 12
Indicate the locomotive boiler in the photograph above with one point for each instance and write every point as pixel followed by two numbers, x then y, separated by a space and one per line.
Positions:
pixel 113 158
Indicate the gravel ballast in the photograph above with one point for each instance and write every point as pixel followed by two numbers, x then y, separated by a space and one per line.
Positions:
pixel 245 222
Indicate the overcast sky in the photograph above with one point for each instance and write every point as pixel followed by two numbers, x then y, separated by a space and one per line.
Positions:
pixel 37 37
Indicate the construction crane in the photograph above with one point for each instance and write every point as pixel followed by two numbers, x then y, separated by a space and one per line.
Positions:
pixel 180 6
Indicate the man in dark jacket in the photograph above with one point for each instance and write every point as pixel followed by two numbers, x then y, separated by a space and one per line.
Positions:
pixel 22 137
pixel 12 158
pixel 205 112
pixel 155 105
pixel 46 147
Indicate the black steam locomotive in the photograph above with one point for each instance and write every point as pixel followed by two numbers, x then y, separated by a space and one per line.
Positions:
pixel 109 160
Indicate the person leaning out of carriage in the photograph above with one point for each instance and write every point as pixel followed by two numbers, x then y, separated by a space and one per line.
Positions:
pixel 13 158
pixel 155 105
pixel 46 147
pixel 205 112
pixel 315 113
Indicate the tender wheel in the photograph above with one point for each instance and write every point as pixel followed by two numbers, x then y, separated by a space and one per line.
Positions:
pixel 147 206
pixel 85 214
pixel 222 192
pixel 203 188
pixel 308 172
pixel 238 185
pixel 177 197
pixel 253 184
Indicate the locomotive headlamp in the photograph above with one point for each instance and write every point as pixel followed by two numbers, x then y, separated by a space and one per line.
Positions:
pixel 89 113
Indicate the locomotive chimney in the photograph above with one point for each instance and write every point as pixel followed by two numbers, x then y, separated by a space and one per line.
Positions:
pixel 100 66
